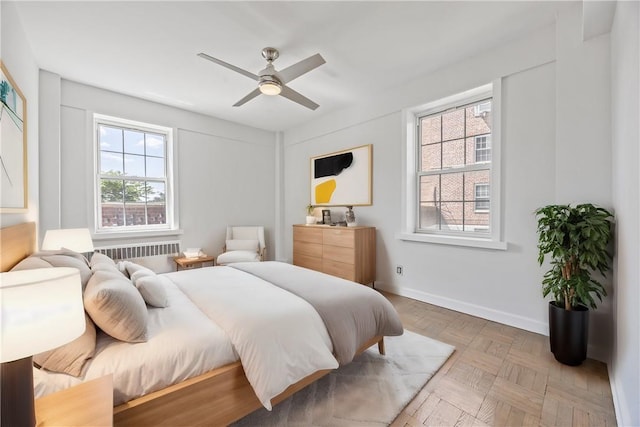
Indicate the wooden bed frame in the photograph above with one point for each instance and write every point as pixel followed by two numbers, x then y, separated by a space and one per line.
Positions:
pixel 218 397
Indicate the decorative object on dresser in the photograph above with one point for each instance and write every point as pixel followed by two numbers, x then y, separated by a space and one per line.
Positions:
pixel 311 218
pixel 87 404
pixel 349 253
pixel 326 216
pixel 342 178
pixel 350 217
pixel 243 244
pixel 41 309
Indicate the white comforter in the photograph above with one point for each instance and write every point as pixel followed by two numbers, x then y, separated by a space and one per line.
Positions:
pixel 279 337
pixel 183 343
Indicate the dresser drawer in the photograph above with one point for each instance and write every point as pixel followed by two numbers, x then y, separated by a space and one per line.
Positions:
pixel 339 269
pixel 304 234
pixel 307 248
pixel 338 237
pixel 339 253
pixel 307 261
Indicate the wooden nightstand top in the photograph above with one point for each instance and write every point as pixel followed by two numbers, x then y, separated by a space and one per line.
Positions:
pixel 188 262
pixel 87 404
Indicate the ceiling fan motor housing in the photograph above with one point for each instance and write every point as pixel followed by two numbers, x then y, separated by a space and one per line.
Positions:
pixel 270 54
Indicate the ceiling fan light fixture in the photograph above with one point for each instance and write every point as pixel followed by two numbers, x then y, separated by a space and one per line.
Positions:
pixel 270 87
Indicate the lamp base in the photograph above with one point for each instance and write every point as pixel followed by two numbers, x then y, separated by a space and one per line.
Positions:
pixel 16 393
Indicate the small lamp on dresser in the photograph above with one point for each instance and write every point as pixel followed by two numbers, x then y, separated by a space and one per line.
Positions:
pixel 41 309
pixel 75 239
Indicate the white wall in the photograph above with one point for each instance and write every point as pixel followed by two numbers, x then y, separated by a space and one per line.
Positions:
pixel 541 148
pixel 225 172
pixel 624 371
pixel 18 58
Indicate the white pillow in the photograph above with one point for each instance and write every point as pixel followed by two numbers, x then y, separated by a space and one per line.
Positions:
pixel 243 245
pixel 152 289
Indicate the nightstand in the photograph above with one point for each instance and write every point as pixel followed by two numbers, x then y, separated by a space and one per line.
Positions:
pixel 182 262
pixel 87 404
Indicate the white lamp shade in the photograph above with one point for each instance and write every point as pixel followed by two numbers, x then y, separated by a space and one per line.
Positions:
pixel 75 239
pixel 41 309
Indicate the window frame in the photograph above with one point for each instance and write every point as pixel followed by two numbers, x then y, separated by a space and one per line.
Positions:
pixel 171 225
pixel 410 195
pixel 487 149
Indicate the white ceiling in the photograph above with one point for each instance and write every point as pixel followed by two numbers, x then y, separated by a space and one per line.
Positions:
pixel 148 49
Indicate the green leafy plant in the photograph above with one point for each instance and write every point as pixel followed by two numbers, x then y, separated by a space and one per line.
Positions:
pixel 577 241
pixel 310 209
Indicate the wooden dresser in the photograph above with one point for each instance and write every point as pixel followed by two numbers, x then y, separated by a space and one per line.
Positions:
pixel 347 252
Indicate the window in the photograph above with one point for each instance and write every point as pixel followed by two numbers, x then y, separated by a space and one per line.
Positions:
pixel 451 170
pixel 133 176
pixel 482 198
pixel 483 148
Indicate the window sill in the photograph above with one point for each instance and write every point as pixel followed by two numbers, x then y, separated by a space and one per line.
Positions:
pixel 453 240
pixel 106 235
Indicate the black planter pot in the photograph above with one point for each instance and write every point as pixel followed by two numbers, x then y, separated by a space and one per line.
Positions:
pixel 568 333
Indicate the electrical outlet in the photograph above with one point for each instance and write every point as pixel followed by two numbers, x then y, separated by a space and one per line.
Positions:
pixel 399 270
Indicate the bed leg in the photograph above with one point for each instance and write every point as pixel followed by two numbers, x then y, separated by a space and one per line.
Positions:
pixel 381 346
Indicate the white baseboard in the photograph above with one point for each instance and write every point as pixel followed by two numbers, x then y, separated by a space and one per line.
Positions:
pixel 514 320
pixel 505 318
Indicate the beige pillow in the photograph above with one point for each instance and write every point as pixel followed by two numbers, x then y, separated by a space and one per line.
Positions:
pixel 242 245
pixel 116 307
pixel 152 289
pixel 71 357
pixel 31 263
pixel 70 261
pixel 99 258
pixel 133 268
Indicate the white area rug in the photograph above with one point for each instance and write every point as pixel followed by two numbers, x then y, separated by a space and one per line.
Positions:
pixel 370 391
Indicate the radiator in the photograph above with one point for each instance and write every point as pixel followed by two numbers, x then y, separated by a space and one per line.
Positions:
pixel 140 250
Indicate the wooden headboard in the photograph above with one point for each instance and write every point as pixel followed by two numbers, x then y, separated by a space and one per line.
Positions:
pixel 16 243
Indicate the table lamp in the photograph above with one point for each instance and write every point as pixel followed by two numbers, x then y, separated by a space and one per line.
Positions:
pixel 41 309
pixel 75 239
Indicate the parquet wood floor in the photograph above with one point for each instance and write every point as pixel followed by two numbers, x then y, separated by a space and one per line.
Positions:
pixel 500 376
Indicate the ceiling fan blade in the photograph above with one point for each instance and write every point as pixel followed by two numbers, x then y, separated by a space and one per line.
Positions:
pixel 229 66
pixel 249 97
pixel 300 68
pixel 291 94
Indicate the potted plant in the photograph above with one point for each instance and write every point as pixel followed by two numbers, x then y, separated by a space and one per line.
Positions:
pixel 577 242
pixel 311 219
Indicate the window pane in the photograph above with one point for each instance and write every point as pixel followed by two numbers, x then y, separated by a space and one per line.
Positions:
pixel 479 119
pixel 133 142
pixel 134 191
pixel 155 145
pixel 476 221
pixel 111 190
pixel 156 203
pixel 453 154
pixel 431 157
pixel 430 127
pixel 112 214
pixel 135 214
pixel 134 165
pixel 155 167
pixel 451 187
pixel 473 180
pixel 452 216
pixel 453 125
pixel 111 163
pixel 110 138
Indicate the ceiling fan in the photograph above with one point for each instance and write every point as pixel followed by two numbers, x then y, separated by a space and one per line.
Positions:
pixel 272 82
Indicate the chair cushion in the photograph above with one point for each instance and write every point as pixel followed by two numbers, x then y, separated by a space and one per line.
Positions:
pixel 237 256
pixel 243 245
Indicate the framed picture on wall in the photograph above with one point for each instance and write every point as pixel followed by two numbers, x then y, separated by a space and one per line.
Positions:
pixel 13 149
pixel 342 178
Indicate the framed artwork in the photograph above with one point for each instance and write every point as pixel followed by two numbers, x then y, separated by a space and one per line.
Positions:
pixel 342 178
pixel 13 145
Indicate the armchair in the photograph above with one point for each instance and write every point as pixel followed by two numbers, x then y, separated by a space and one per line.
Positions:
pixel 243 244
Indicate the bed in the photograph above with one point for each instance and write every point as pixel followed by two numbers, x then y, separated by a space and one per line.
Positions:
pixel 213 387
